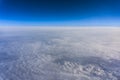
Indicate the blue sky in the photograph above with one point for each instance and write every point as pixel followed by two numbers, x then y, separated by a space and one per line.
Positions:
pixel 60 12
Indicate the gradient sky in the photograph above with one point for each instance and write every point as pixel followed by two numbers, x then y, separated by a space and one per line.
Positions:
pixel 60 12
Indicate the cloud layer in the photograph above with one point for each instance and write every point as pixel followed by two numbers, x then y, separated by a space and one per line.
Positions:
pixel 60 54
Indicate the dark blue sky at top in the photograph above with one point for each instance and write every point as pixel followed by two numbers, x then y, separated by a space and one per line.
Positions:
pixel 60 12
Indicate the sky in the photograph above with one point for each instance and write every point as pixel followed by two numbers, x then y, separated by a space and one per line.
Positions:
pixel 60 12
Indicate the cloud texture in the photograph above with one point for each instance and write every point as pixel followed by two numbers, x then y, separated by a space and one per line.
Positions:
pixel 60 54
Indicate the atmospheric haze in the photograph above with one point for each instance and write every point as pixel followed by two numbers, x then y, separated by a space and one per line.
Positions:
pixel 60 53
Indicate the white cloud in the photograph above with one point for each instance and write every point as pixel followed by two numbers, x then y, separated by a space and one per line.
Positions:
pixel 62 54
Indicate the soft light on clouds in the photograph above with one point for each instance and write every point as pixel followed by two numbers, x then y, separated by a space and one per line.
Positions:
pixel 60 54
